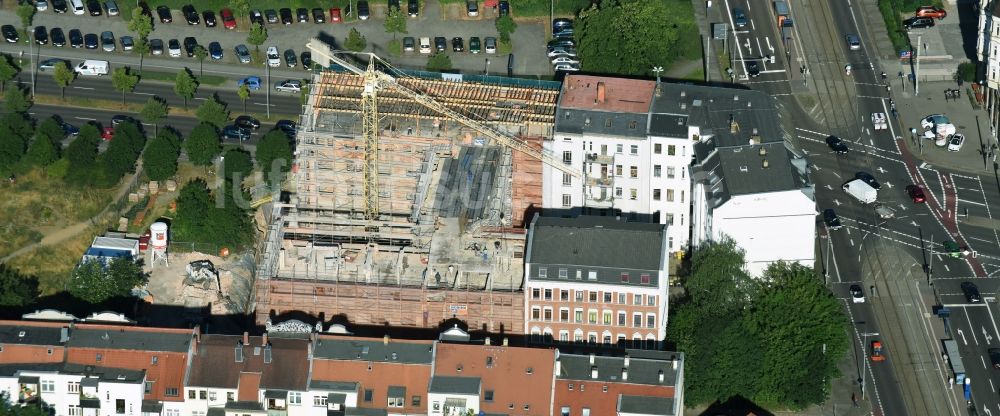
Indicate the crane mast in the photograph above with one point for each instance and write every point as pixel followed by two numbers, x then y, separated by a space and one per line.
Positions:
pixel 370 131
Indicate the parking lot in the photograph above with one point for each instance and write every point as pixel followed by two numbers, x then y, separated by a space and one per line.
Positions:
pixel 528 40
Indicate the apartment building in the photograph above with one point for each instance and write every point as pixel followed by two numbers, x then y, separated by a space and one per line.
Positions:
pixel 637 383
pixel 609 129
pixel 593 279
pixel 988 56
pixel 477 377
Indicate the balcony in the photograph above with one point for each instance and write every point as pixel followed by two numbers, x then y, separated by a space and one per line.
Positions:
pixel 600 159
pixel 600 199
pixel 605 181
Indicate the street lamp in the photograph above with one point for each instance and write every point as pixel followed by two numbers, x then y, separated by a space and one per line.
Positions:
pixel 913 136
pixel 864 359
pixel 267 90
pixel 487 67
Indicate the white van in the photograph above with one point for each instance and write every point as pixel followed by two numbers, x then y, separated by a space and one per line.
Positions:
pixel 92 67
pixel 77 6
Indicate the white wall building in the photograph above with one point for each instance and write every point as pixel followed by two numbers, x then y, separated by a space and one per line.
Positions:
pixel 988 55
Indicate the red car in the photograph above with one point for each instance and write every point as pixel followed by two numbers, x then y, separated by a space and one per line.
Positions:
pixel 108 133
pixel 227 18
pixel 334 15
pixel 916 193
pixel 932 12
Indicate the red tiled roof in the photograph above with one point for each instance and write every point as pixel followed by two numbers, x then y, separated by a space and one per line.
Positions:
pixel 249 387
pixel 518 376
pixel 587 92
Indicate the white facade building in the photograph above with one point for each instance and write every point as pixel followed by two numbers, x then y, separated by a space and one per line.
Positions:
pixel 988 55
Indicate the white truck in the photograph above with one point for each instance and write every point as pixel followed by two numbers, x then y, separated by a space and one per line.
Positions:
pixel 861 191
pixel 92 67
pixel 880 121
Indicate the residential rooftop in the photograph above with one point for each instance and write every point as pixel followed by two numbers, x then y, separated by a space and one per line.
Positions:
pixel 644 367
pixel 385 350
pixel 134 338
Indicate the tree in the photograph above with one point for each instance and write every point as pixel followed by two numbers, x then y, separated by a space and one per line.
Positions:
pixel 257 35
pixel 16 289
pixel 213 111
pixel 63 77
pixel 141 23
pixel 185 85
pixel 237 165
pixel 224 223
pixel 15 131
pixel 122 152
pixel 647 33
pixel 438 62
pixel 82 152
pixel 244 93
pixel 395 22
pixel 200 53
pixel 124 80
pixel 203 144
pixel 505 26
pixel 241 7
pixel 44 149
pixel 141 48
pixel 26 11
pixel 95 282
pixel 160 158
pixel 7 71
pixel 154 112
pixel 355 41
pixel 274 155
pixel 16 100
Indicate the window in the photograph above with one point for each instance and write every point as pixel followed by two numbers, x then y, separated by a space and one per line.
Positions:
pixel 633 171
pixel 621 318
pixel 578 337
pixel 415 401
pixel 567 157
pixel 608 122
pixel 542 272
pixel 658 148
pixel 621 298
pixel 99 357
pixel 618 192
pixel 637 320
pixel 592 338
pixel 633 149
pixel 536 293
pixel 73 387
pixel 637 299
pixel 548 314
pixel 593 296
pixel 172 412
pixel 171 392
pixel 578 314
pixel 656 171
pixel 147 387
pixel 607 339
pixel 567 179
pixel 396 401
pixel 607 318
pixel 592 316
pixel 567 200
pixel 656 194
pixel 369 393
pixel 230 396
pixel 563 314
pixel 670 195
pixel 670 242
pixel 119 405
pixel 644 278
pixel 579 295
pixel 564 295
pixel 624 277
pixel 564 411
pixel 633 194
pixel 650 300
pixel 605 389
pixel 319 400
pixel 488 396
pixel 536 313
pixel 548 292
pixel 618 170
pixel 48 386
pixel 607 297
pixel 294 398
pixel 564 336
pixel 682 196
pixel 74 410
pixel 670 219
pixel 671 150
pixel 670 172
pixel 650 321
pixel 618 148
pixel 203 394
pixel 591 275
pixel 154 360
pixel 212 396
pixel 192 394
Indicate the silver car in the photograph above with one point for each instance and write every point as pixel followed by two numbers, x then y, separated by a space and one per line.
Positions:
pixel 111 7
pixel 108 41
pixel 242 53
pixel 853 42
pixel 289 85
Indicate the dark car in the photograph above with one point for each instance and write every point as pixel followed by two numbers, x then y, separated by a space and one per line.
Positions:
pixel 472 8
pixel 831 219
pixel 857 294
pixel 739 17
pixel 41 35
pixel 504 8
pixel 119 119
pixel 209 17
pixel 869 179
pixel 235 133
pixel 75 38
pixel 441 44
pixel 413 7
pixel 559 24
pixel 164 14
pixel 318 15
pixel 59 6
pixel 918 23
pixel 363 12
pixel 271 15
pixel 916 193
pixel 156 46
pixel 58 38
pixel 753 68
pixel 971 292
pixel 256 17
pixel 94 8
pixel 10 33
pixel 393 4
pixel 302 14
pixel 215 50
pixel 190 15
pixel 247 122
pixel 307 60
pixel 290 58
pixel 145 9
pixel 457 44
pixel 286 16
pixel 189 44
pixel 994 357
pixel 409 44
pixel 837 145
pixel 286 126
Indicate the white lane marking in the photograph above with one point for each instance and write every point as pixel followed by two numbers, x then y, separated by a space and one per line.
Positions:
pixel 85 118
pixel 85 88
pixel 971 202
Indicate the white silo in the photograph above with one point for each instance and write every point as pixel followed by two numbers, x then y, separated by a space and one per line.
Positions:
pixel 158 242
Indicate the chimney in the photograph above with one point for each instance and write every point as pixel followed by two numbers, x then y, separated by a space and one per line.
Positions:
pixel 263 340
pixel 626 360
pixel 486 341
pixel 197 334
pixel 624 374
pixel 600 93
pixel 246 338
pixel 764 164
pixel 385 339
pixel 558 368
pixel 661 375
pixel 593 372
pixel 505 341
pixel 674 361
pixel 591 359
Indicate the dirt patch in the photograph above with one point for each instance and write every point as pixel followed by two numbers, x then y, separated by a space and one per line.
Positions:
pixel 170 284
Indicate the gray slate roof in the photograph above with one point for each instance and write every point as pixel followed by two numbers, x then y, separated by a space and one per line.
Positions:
pixel 378 351
pixel 575 121
pixel 9 370
pixel 646 405
pixel 592 243
pixel 244 405
pixel 712 109
pixel 644 367
pixel 740 170
pixel 333 385
pixel 455 385
pixel 33 335
pixel 364 411
pixel 129 340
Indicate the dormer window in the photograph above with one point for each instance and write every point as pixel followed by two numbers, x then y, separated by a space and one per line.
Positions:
pixel 644 279
pixel 625 277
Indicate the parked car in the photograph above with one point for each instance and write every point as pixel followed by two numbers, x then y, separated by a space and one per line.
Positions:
pixel 41 35
pixel 409 44
pixel 50 64
pixel 189 44
pixel 59 6
pixel 994 357
pixel 565 60
pixel 273 60
pixel 739 17
pixel 561 41
pixel 68 129
pixel 425 45
pixel 190 15
pixel 235 133
pixel 457 44
pixel 916 193
pixel 869 179
pixel 490 44
pixel 75 38
pixel 393 4
pixel 566 32
pixel 163 12
pixel 228 21
pixel 560 23
pixel 302 14
pixel 971 292
pixel 112 8
pixel 307 60
pixel 566 67
pixel 363 12
pixel 57 36
pixel 121 118
pixel 853 42
pixel 335 15
pixel 10 33
pixel 156 46
pixel 837 145
pixel 318 15
pixel 108 41
pixel 475 46
pixel 504 7
pixel 256 17
pixel 290 58
pixel 242 53
pixel 286 15
pixel 41 5
pixel 107 134
pixel 128 43
pixel 857 294
pixel 954 144
pixel 753 68
pixel 94 8
pixel 918 23
pixel 247 122
pixel 91 41
pixel 253 83
pixel 208 17
pixel 174 48
pixel 286 126
pixel 440 44
pixel 271 15
pixel 215 50
pixel 931 12
pixel 288 85
pixel 472 8
pixel 413 8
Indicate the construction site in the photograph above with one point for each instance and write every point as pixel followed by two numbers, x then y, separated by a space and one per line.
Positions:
pixel 408 199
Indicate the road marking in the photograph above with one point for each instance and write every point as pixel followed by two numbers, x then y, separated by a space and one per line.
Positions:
pixel 85 88
pixel 971 202
pixel 85 118
pixel 962 334
pixel 980 239
pixel 982 360
pixel 991 387
pixel 143 93
pixel 852 242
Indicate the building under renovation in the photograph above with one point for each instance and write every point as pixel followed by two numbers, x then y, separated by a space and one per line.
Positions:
pixel 445 238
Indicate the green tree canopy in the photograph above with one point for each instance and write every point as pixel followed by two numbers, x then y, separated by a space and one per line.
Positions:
pixel 124 80
pixel 629 37
pixel 240 7
pixel 200 53
pixel 16 289
pixel 15 133
pixel 274 155
pixel 63 77
pixel 203 144
pixel 439 62
pixel 237 165
pixel 154 112
pixel 505 27
pixel 44 149
pixel 141 24
pixel 95 282
pixel 7 70
pixel 395 22
pixel 244 93
pixel 355 41
pixel 160 158
pixel 257 35
pixel 26 11
pixel 122 152
pixel 16 100
pixel 213 111
pixel 185 86
pixel 82 151
pixel 200 219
